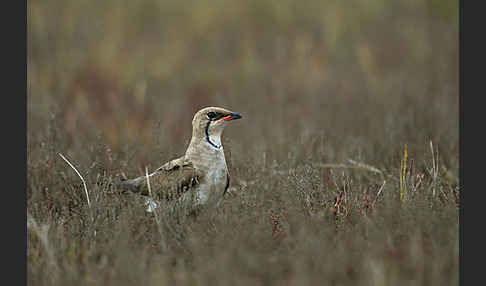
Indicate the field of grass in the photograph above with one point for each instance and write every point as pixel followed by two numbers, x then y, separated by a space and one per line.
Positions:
pixel 345 166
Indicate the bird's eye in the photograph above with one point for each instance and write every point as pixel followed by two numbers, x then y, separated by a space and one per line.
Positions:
pixel 211 115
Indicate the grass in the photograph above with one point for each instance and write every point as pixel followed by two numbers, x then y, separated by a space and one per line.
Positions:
pixel 344 168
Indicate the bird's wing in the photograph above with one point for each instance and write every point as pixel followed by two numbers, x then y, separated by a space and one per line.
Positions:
pixel 227 182
pixel 168 182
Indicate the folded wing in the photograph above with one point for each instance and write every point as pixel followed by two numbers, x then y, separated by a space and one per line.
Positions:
pixel 168 182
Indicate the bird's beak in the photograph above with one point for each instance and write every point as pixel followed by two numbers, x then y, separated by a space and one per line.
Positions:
pixel 231 116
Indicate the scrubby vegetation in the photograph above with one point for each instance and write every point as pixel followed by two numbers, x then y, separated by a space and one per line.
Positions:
pixel 344 167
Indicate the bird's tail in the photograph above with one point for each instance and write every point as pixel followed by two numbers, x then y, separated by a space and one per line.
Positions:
pixel 132 185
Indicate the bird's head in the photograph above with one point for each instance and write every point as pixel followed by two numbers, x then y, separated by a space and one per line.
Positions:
pixel 208 124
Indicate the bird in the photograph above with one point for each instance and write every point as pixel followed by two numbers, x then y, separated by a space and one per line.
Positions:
pixel 200 177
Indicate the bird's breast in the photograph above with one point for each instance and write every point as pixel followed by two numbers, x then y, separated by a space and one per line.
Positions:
pixel 214 181
pixel 211 162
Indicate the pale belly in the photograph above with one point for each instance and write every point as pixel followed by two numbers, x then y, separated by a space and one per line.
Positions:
pixel 213 186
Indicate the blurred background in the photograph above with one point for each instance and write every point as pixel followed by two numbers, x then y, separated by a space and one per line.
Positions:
pixel 335 79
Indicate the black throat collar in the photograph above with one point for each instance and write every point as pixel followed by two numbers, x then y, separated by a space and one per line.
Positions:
pixel 208 138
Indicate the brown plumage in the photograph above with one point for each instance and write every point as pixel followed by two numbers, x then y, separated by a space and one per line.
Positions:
pixel 201 175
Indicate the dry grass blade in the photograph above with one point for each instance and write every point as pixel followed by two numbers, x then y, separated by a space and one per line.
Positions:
pixel 152 204
pixel 434 171
pixel 403 171
pixel 154 208
pixel 378 194
pixel 353 165
pixel 148 182
pixel 82 179
pixel 364 166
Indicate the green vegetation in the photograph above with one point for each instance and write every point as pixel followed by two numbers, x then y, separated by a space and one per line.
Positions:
pixel 344 167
